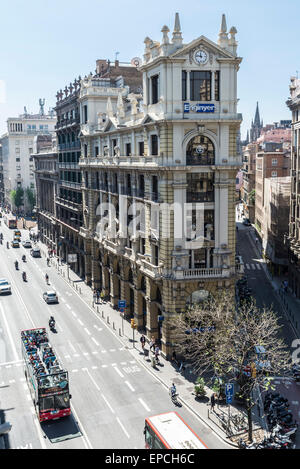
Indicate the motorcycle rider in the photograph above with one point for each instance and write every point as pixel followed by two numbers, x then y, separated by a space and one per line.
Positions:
pixel 24 258
pixel 51 322
pixel 16 265
pixel 7 245
pixel 24 276
pixel 173 390
pixel 47 278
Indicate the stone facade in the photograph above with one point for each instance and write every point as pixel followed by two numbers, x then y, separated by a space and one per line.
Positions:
pixel 293 239
pixel 147 159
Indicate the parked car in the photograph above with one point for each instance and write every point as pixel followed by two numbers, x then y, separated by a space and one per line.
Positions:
pixel 246 222
pixel 50 297
pixel 27 244
pixel 5 286
pixel 15 243
pixel 17 233
pixel 35 252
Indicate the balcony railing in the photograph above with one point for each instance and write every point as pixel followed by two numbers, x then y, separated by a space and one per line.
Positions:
pixel 188 274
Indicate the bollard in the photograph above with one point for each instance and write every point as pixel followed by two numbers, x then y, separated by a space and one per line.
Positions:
pixel 114 326
pixel 102 314
pixel 120 332
pixel 107 319
pixel 97 309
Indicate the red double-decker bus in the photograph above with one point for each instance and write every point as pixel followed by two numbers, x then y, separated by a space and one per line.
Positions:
pixel 47 381
pixel 169 431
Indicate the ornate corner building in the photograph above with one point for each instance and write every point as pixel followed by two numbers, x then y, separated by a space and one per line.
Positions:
pixel 154 162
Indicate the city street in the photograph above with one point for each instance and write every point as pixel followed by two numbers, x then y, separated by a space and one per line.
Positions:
pixel 111 393
pixel 265 295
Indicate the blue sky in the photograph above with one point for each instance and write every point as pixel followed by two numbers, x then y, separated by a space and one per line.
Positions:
pixel 46 44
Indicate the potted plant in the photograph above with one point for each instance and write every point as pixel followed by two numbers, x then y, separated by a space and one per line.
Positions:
pixel 200 388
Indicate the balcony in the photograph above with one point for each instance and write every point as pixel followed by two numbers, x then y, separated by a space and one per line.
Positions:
pixel 68 204
pixel 151 270
pixel 69 146
pixel 71 185
pixel 189 274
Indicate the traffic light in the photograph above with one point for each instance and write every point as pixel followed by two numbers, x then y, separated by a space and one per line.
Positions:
pixel 133 324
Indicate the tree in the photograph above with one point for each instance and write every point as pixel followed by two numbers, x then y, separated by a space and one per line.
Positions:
pixel 17 196
pixel 221 341
pixel 31 199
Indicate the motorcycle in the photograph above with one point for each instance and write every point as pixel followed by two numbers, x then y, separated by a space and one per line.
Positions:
pixel 24 276
pixel 17 265
pixel 52 324
pixel 7 245
pixel 24 258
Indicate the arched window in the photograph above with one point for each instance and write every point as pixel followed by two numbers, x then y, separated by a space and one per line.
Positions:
pixel 200 151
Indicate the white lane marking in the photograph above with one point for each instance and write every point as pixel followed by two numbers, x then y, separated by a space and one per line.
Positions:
pixel 68 306
pixel 92 379
pixel 107 403
pixel 144 405
pixel 95 341
pixel 129 385
pixel 248 266
pixel 72 346
pixel 9 335
pixel 80 322
pixel 122 426
pixel 118 371
pixel 258 266
pixel 74 314
pixel 87 331
pixel 63 300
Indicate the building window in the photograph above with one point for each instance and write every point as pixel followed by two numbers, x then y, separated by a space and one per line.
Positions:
pixel 217 86
pixel 96 151
pixel 154 89
pixel 200 151
pixel 274 174
pixel 200 86
pixel 141 148
pixel 274 161
pixel 85 114
pixel 184 87
pixel 128 149
pixel 154 144
pixel 200 187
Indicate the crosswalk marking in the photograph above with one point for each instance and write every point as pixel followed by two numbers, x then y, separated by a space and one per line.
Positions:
pixel 253 266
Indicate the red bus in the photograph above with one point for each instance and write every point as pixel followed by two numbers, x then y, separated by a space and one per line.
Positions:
pixel 10 221
pixel 169 431
pixel 47 381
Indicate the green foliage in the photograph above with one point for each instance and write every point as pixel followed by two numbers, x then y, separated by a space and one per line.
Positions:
pixel 31 198
pixel 17 196
pixel 200 387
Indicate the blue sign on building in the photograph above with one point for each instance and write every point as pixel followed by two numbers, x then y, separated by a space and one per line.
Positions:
pixel 122 304
pixel 198 107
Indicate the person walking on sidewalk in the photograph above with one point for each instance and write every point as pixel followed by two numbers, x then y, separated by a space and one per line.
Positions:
pixel 157 354
pixel 94 296
pixel 143 341
pixel 152 343
pixel 98 295
pixel 212 401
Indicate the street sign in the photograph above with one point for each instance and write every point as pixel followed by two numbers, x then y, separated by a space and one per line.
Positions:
pixel 122 304
pixel 161 318
pixel 229 392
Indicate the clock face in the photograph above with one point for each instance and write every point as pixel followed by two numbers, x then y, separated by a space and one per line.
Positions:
pixel 201 56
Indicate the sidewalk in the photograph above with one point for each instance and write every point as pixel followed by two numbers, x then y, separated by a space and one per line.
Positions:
pixel 165 372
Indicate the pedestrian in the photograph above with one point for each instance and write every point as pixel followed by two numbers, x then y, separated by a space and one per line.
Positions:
pixel 143 341
pixel 152 343
pixel 213 401
pixel 157 354
pixel 98 295
pixel 285 286
pixel 237 228
pixel 95 296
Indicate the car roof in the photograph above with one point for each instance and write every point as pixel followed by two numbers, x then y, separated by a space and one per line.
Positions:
pixel 50 292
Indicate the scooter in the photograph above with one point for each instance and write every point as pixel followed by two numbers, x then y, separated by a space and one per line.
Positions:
pixel 17 265
pixel 52 324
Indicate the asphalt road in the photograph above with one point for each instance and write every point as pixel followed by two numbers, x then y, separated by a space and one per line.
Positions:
pixel 111 392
